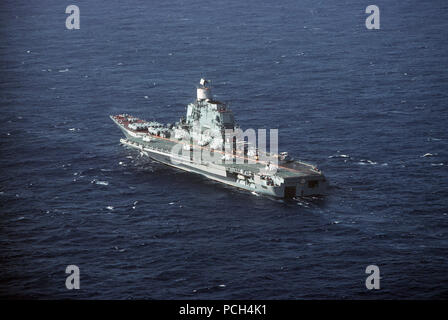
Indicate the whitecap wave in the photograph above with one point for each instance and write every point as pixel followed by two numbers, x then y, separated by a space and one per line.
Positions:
pixel 365 162
pixel 103 183
pixel 339 156
pixel 428 154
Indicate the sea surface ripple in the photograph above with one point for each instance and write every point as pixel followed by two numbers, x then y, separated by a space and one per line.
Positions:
pixel 369 107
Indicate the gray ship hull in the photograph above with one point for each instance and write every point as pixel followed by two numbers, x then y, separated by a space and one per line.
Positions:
pixel 300 189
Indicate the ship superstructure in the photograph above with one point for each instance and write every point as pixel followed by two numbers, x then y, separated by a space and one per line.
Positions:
pixel 201 143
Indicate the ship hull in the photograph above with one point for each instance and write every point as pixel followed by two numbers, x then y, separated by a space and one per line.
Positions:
pixel 159 149
pixel 165 158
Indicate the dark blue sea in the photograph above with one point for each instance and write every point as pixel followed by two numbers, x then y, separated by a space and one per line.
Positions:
pixel 369 107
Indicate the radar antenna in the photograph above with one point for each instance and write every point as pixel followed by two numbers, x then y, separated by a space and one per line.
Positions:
pixel 204 90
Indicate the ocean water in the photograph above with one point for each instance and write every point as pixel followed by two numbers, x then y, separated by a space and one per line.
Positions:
pixel 369 107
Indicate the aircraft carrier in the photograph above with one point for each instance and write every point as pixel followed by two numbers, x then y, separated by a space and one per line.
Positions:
pixel 208 141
